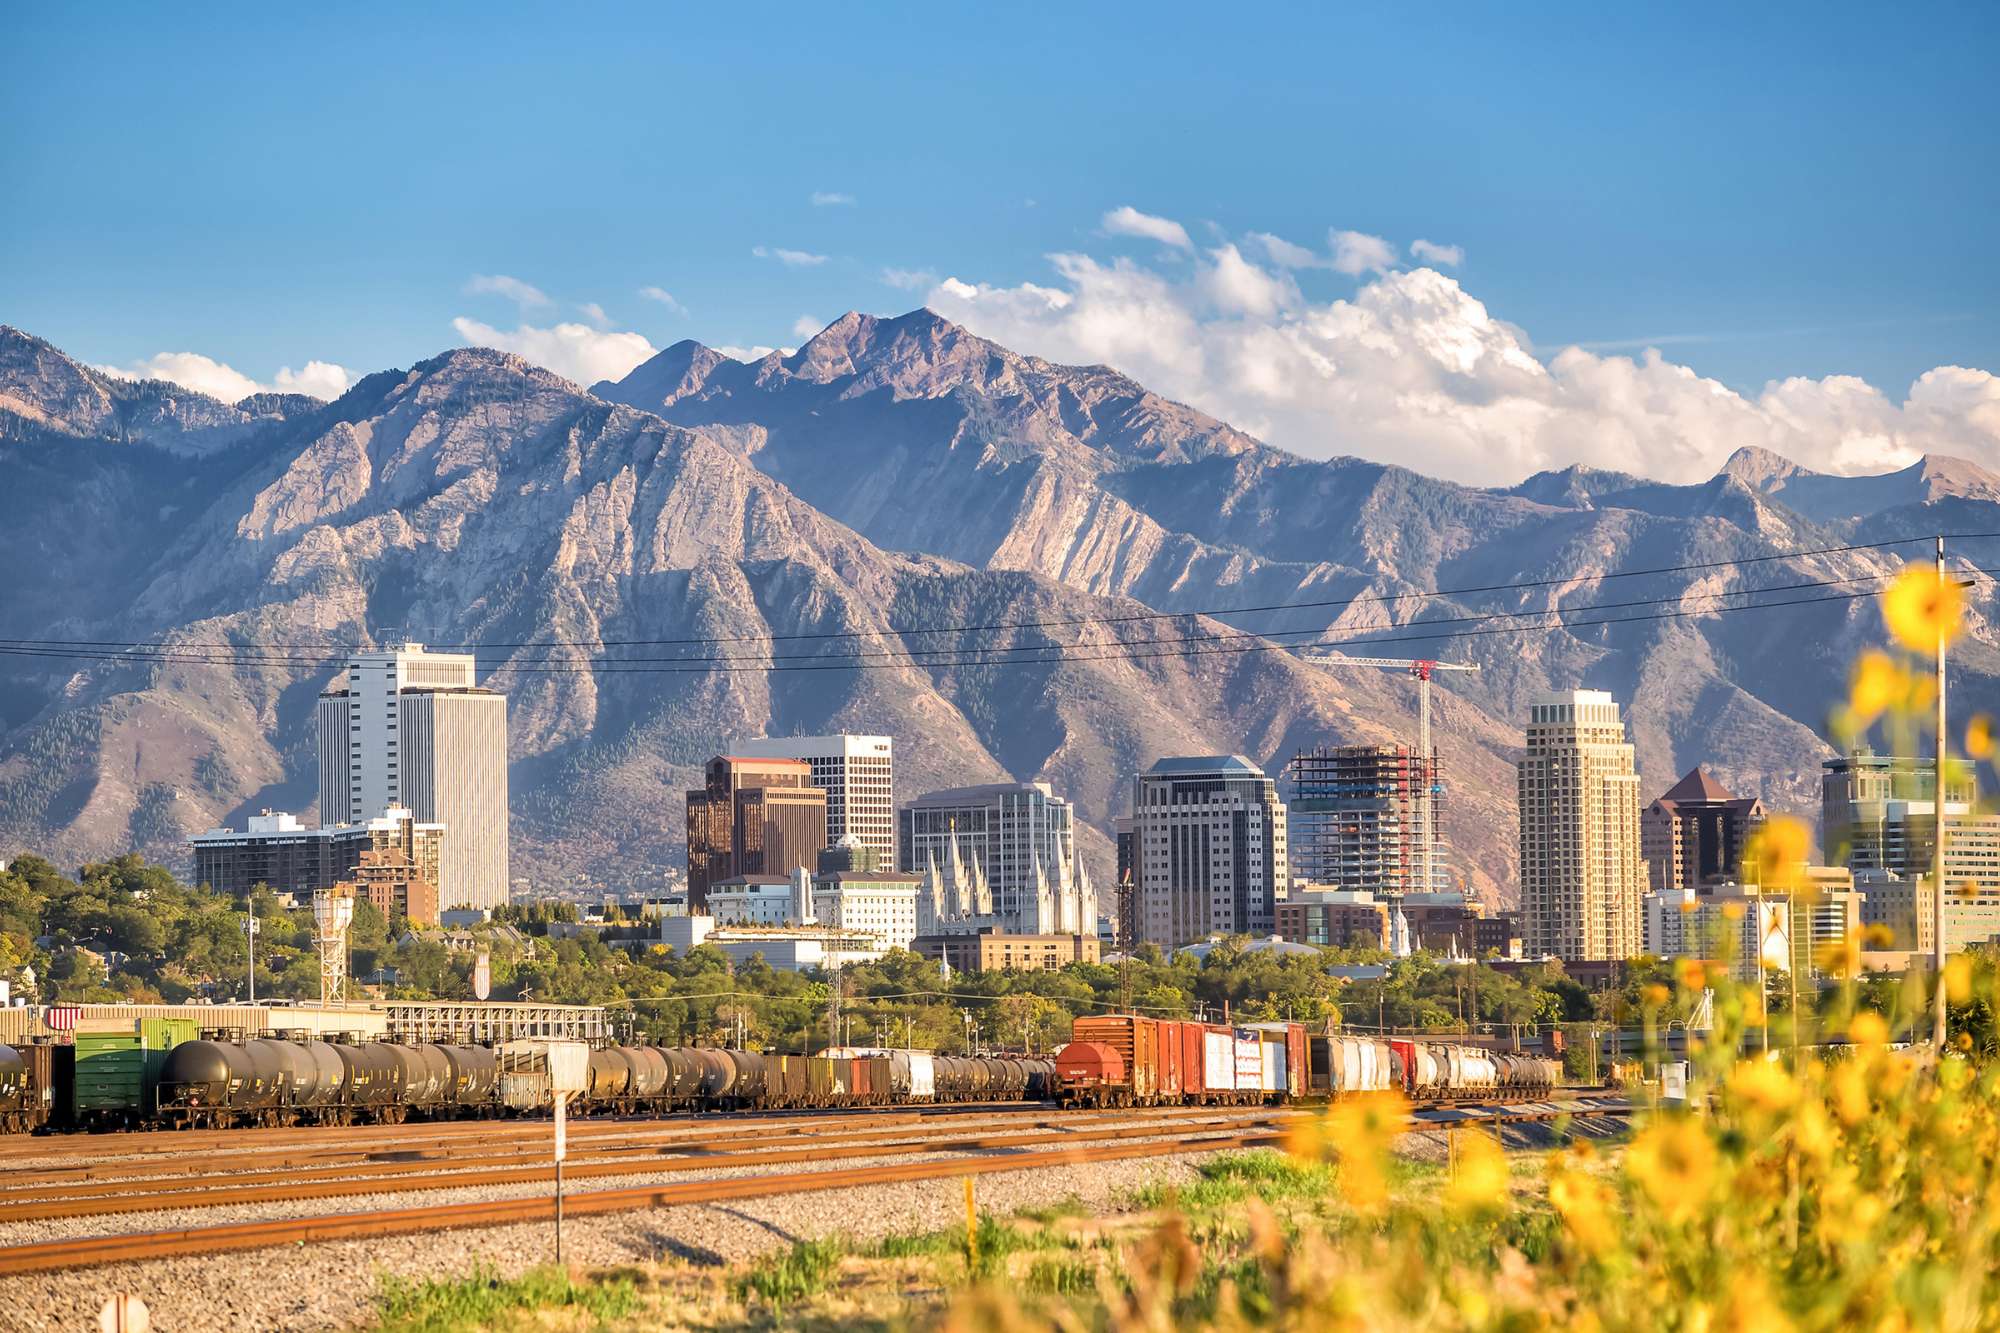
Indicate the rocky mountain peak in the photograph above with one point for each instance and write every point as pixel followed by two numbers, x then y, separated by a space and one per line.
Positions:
pixel 1758 468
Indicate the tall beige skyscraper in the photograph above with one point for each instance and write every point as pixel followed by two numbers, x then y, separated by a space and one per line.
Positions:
pixel 409 727
pixel 1582 879
pixel 1209 840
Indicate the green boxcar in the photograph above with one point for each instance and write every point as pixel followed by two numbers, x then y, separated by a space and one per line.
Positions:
pixel 117 1074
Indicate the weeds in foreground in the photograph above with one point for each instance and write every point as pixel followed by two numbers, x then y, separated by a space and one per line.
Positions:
pixel 485 1299
pixel 793 1275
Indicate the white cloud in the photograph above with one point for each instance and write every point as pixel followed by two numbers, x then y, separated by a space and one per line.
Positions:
pixel 1356 252
pixel 831 199
pixel 1129 221
pixel 757 353
pixel 1284 254
pixel 805 326
pixel 1412 369
pixel 664 297
pixel 790 258
pixel 499 284
pixel 575 351
pixel 320 379
pixel 594 313
pixel 203 374
pixel 910 279
pixel 1433 253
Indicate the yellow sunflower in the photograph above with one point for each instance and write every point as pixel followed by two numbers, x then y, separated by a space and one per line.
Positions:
pixel 1923 610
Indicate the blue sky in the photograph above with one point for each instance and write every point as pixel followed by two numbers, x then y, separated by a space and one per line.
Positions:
pixel 1762 192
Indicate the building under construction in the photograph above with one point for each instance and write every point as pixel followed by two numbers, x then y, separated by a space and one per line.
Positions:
pixel 1358 817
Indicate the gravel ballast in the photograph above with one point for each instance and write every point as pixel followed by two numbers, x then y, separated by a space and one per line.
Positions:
pixel 332 1285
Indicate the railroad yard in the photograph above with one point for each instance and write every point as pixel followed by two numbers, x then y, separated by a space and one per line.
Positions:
pixel 165 1215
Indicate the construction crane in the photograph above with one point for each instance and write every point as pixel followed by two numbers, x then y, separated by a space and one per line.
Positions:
pixel 1423 669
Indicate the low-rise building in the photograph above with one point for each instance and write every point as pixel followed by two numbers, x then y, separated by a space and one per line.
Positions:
pixel 396 887
pixel 1750 930
pixel 282 854
pixel 992 950
pixel 877 902
pixel 786 948
pixel 753 900
pixel 1333 918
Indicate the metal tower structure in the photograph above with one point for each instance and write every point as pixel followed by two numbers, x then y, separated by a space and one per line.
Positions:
pixel 333 912
pixel 1422 669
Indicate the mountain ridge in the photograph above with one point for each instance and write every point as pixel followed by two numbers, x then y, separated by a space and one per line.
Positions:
pixel 888 473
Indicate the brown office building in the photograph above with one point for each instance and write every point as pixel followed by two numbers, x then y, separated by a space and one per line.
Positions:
pixel 1694 836
pixel 396 886
pixel 754 817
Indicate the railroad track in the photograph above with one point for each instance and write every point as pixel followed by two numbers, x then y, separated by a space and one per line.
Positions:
pixel 165 1142
pixel 45 1256
pixel 414 1144
pixel 32 1202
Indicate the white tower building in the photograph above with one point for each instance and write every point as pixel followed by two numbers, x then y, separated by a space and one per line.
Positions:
pixel 409 727
pixel 1582 878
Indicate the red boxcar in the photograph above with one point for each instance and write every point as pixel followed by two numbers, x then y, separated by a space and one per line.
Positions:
pixel 1173 1075
pixel 1137 1041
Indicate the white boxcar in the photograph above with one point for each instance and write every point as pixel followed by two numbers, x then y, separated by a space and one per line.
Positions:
pixel 1271 1068
pixel 1249 1062
pixel 1218 1061
pixel 923 1075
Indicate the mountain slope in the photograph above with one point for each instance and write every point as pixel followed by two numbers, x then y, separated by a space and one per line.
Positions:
pixel 478 500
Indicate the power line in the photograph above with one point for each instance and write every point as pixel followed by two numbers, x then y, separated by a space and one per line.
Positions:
pixel 1415 631
pixel 249 656
pixel 1063 653
pixel 1213 612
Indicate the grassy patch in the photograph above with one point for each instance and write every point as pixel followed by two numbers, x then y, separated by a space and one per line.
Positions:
pixel 1063 1276
pixel 487 1300
pixel 1230 1179
pixel 794 1275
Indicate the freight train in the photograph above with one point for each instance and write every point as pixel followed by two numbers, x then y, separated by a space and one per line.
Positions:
pixel 273 1081
pixel 164 1074
pixel 284 1082
pixel 1127 1060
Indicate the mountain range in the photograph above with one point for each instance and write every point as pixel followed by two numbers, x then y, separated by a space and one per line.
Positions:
pixel 632 559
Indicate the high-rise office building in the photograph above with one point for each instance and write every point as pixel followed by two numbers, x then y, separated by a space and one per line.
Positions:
pixel 1357 818
pixel 858 775
pixel 755 817
pixel 1582 880
pixel 1878 817
pixel 1694 835
pixel 1210 838
pixel 1020 838
pixel 1879 813
pixel 409 727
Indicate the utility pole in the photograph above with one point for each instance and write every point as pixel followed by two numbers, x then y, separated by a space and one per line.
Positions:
pixel 1937 842
pixel 833 1011
pixel 250 925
